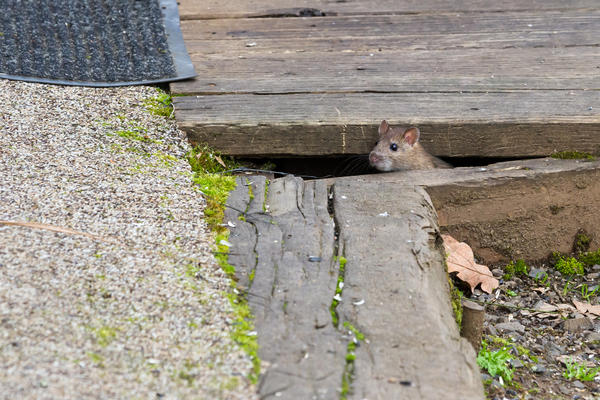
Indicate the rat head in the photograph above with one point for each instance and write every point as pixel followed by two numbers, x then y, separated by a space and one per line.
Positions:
pixel 395 149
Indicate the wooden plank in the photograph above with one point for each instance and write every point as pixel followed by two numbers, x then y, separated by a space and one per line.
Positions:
pixel 295 279
pixel 391 32
pixel 525 123
pixel 506 211
pixel 192 9
pixel 396 293
pixel 399 71
pixel 291 290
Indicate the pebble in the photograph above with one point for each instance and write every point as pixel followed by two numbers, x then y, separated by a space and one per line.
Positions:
pixel 578 385
pixel 577 324
pixel 510 327
pixel 539 369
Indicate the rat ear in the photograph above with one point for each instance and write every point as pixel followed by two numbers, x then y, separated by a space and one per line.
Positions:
pixel 411 135
pixel 383 128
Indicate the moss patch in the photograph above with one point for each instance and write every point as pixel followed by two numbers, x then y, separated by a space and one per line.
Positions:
pixel 338 292
pixel 161 104
pixel 348 375
pixel 208 167
pixel 572 155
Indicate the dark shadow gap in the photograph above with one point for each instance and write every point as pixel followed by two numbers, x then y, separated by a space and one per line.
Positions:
pixel 337 166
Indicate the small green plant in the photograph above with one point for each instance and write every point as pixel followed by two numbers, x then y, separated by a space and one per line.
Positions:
pixel 586 293
pixel 567 287
pixel 496 363
pixel 572 155
pixel 579 371
pixel 569 266
pixel 510 292
pixel 541 278
pixel 515 268
pixel 589 258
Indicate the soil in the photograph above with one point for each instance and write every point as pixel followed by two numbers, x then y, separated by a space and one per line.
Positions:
pixel 538 321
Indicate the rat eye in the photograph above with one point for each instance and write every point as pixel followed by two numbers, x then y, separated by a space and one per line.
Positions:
pixel 393 147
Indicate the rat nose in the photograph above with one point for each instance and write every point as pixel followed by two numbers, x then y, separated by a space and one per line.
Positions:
pixel 374 158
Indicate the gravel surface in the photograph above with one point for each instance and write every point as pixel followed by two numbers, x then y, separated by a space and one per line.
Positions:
pixel 536 318
pixel 135 309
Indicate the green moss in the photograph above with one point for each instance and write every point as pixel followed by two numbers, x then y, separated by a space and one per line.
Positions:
pixel 264 206
pixel 104 335
pixel 96 359
pixel 338 292
pixel 244 334
pixel 572 155
pixel 161 104
pixel 590 258
pixel 515 268
pixel 216 186
pixel 569 266
pixel 205 160
pixel 456 300
pixel 582 243
pixel 348 374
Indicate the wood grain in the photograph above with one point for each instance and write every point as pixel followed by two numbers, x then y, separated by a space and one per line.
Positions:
pixel 294 263
pixel 528 123
pixel 481 78
pixel 399 71
pixel 392 32
pixel 193 9
pixel 289 294
pixel 396 293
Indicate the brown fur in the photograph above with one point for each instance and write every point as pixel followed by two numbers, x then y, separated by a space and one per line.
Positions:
pixel 408 154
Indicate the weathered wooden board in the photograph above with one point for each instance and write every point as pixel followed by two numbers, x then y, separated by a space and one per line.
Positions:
pixel 481 78
pixel 193 9
pixel 398 71
pixel 506 211
pixel 291 276
pixel 520 123
pixel 211 39
pixel 396 293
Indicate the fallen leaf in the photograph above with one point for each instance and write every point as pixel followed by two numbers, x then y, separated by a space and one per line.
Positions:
pixel 460 259
pixel 585 308
pixel 220 161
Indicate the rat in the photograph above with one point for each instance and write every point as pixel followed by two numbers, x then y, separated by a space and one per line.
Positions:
pixel 398 149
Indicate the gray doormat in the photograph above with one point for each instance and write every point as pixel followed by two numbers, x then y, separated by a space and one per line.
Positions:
pixel 92 42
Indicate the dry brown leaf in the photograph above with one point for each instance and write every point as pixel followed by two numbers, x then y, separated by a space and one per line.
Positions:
pixel 460 259
pixel 220 161
pixel 585 308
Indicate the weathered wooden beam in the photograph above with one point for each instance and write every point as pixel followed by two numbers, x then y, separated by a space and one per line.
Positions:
pixel 284 261
pixel 396 293
pixel 288 260
pixel 192 9
pixel 512 124
pixel 506 211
